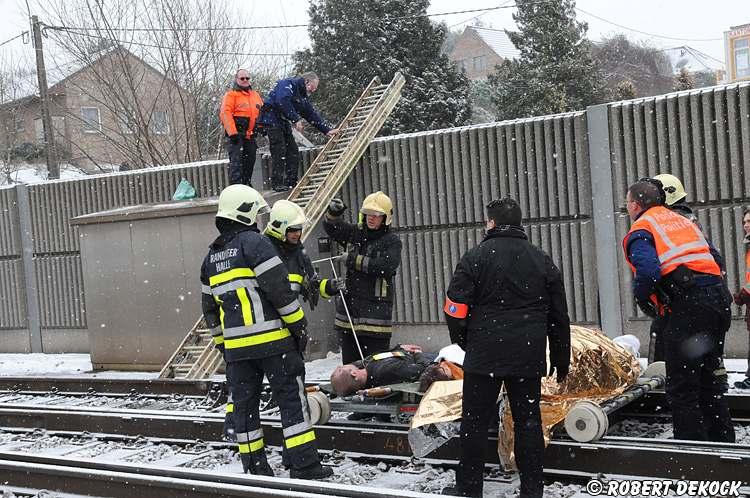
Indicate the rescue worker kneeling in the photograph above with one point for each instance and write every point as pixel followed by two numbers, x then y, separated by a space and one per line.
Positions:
pixel 254 316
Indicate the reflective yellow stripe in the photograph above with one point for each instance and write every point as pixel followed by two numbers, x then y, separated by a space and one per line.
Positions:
pixel 251 447
pixel 301 439
pixel 230 408
pixel 218 339
pixel 363 327
pixel 293 317
pixel 294 277
pixel 254 340
pixel 322 288
pixel 247 309
pixel 221 316
pixel 230 275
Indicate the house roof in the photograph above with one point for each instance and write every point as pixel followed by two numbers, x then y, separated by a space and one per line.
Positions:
pixel 498 41
pixel 691 59
pixel 58 72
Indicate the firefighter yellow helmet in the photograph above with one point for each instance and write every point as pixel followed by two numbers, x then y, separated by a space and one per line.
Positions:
pixel 285 215
pixel 241 203
pixel 672 188
pixel 378 203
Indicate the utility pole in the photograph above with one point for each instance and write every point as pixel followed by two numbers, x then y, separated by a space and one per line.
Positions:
pixel 53 169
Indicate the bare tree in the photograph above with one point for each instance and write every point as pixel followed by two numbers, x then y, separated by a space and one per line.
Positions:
pixel 190 52
pixel 15 91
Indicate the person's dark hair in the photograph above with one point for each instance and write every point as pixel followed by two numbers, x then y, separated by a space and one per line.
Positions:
pixel 505 211
pixel 432 373
pixel 646 193
pixel 745 211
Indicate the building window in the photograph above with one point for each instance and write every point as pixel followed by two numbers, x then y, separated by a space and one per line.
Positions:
pixel 20 123
pixel 742 57
pixel 159 123
pixel 91 120
pixel 479 63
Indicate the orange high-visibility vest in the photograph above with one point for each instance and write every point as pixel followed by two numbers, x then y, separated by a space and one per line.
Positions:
pixel 747 269
pixel 678 241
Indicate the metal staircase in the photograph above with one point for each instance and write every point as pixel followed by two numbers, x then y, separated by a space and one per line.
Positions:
pixel 196 357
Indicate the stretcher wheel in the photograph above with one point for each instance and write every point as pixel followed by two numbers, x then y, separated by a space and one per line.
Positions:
pixel 586 422
pixel 655 369
pixel 320 408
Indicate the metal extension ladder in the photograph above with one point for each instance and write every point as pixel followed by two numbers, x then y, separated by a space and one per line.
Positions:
pixel 196 357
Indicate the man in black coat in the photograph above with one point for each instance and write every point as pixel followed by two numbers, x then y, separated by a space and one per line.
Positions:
pixel 506 298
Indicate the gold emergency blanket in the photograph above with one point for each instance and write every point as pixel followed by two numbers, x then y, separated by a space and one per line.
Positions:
pixel 600 370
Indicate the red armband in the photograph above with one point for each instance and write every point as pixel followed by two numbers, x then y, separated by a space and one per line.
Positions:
pixel 456 310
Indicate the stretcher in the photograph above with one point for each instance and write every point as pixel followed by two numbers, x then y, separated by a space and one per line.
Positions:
pixel 400 401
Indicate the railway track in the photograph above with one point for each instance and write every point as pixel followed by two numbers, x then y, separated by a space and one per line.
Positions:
pixel 385 443
pixel 645 457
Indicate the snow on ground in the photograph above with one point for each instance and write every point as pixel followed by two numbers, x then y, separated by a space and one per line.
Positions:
pixel 35 173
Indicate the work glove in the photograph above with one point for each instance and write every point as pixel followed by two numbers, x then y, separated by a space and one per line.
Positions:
pixel 234 139
pixel 562 371
pixel 220 347
pixel 648 308
pixel 310 291
pixel 334 285
pixel 298 327
pixel 336 207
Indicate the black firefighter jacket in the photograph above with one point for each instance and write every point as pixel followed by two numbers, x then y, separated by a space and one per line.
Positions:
pixel 247 301
pixel 516 301
pixel 394 366
pixel 371 268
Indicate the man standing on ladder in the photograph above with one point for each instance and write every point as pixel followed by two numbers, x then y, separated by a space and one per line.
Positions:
pixel 285 106
pixel 253 312
pixel 371 262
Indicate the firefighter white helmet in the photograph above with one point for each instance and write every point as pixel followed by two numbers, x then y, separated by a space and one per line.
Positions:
pixel 285 215
pixel 378 203
pixel 672 188
pixel 241 203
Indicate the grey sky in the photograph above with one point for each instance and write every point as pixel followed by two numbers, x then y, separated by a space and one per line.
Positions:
pixel 688 20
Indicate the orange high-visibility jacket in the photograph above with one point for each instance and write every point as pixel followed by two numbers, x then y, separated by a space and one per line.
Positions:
pixel 240 104
pixel 678 241
pixel 746 287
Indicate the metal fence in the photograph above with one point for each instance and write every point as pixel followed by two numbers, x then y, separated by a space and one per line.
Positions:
pixel 569 172
pixel 47 295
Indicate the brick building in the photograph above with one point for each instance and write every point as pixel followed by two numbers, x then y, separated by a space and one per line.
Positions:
pixel 478 50
pixel 115 110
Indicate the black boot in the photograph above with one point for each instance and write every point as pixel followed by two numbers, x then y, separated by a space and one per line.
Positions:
pixel 256 464
pixel 314 471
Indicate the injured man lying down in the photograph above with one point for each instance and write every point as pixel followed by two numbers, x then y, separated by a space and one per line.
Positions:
pixel 404 363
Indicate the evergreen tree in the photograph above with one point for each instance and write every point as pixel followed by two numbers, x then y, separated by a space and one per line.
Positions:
pixel 683 81
pixel 555 71
pixel 378 38
pixel 625 90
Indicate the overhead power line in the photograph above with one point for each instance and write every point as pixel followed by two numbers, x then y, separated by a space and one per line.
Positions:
pixel 14 38
pixel 654 35
pixel 179 49
pixel 289 26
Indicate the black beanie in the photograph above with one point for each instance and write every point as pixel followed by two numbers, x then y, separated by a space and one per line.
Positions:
pixel 504 211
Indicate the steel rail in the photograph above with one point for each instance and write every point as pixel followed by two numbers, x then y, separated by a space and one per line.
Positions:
pixel 124 480
pixel 630 456
pixel 109 385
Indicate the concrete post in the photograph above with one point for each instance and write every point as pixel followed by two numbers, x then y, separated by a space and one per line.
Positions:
pixel 29 272
pixel 607 245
